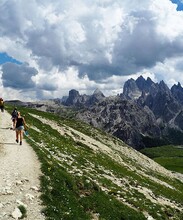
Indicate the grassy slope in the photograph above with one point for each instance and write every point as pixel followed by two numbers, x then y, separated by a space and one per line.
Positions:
pixel 81 183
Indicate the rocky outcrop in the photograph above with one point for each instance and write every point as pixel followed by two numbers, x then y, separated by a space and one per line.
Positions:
pixel 177 92
pixel 146 113
pixel 119 117
pixel 96 97
pixel 162 103
pixel 178 121
pixel 77 100
pixel 131 90
pixel 144 85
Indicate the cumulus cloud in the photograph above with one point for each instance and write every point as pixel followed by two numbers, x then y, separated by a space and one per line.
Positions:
pixel 100 41
pixel 18 76
pixel 143 46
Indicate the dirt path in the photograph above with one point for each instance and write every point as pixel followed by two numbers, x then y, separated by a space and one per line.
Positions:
pixel 19 175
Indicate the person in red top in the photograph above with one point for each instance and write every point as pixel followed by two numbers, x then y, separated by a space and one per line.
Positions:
pixel 20 126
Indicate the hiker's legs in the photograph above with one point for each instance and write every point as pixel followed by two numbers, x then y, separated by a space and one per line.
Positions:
pixel 17 134
pixel 21 135
pixel 13 123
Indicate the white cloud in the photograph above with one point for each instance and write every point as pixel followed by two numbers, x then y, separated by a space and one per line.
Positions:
pixel 91 44
pixel 170 71
pixel 168 19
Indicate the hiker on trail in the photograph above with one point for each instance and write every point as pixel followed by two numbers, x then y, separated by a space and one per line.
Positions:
pixel 20 126
pixel 2 104
pixel 14 115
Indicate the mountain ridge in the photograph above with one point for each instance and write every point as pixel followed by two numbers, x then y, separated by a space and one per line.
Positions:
pixel 148 105
pixel 146 114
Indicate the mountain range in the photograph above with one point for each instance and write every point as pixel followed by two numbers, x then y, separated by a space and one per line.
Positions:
pixel 146 114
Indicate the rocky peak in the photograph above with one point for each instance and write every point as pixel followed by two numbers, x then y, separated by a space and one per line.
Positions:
pixel 144 85
pixel 134 88
pixel 131 90
pixel 149 81
pixel 73 93
pixel 96 97
pixel 73 97
pixel 140 81
pixel 154 89
pixel 177 92
pixel 163 87
pixel 98 93
pixel 161 101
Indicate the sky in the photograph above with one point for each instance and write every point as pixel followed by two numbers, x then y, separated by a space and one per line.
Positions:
pixel 50 47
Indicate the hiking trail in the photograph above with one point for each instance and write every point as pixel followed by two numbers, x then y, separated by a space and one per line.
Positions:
pixel 19 175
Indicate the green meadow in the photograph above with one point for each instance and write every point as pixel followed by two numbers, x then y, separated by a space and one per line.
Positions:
pixel 171 157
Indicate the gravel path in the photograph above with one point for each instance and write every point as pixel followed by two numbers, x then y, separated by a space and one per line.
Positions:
pixel 19 175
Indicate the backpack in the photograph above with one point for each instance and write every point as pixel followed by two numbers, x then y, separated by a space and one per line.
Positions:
pixel 14 114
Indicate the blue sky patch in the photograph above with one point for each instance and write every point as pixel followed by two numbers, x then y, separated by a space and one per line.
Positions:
pixel 179 4
pixel 4 58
